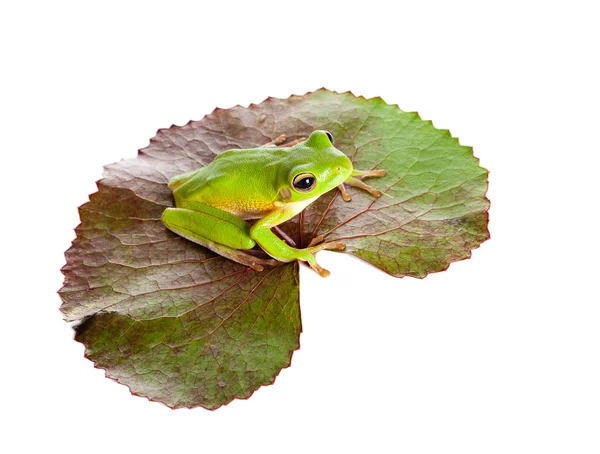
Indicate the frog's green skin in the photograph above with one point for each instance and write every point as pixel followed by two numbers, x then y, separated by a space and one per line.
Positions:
pixel 259 183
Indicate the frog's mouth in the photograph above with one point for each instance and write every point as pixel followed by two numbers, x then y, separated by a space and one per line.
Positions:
pixel 337 175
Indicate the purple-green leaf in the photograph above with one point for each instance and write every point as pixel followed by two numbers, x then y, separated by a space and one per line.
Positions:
pixel 180 325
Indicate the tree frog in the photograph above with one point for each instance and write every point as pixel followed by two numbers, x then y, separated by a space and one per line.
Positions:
pixel 269 184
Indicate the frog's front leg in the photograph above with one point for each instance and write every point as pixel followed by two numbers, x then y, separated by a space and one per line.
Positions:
pixel 278 249
pixel 355 180
pixel 217 230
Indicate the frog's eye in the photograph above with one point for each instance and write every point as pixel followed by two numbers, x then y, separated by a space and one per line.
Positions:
pixel 305 182
pixel 329 136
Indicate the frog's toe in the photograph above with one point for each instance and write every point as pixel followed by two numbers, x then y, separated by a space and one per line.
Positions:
pixel 316 240
pixel 294 142
pixel 322 271
pixel 375 192
pixel 362 185
pixel 333 246
pixel 347 197
pixel 277 141
pixel 369 173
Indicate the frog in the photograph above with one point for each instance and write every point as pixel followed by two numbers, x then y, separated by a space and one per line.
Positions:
pixel 240 199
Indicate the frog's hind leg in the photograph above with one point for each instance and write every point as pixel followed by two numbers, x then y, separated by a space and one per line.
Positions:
pixel 210 229
pixel 244 258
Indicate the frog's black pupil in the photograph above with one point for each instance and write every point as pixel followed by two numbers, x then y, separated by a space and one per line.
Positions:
pixel 330 137
pixel 305 182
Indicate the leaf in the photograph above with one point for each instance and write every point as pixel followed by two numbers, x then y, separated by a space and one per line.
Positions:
pixel 433 211
pixel 180 325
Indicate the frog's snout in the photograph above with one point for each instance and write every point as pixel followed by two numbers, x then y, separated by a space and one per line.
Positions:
pixel 342 171
pixel 345 170
pixel 344 165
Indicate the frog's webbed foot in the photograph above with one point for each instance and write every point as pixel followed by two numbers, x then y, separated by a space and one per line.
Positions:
pixel 356 181
pixel 331 246
pixel 347 197
pixel 322 271
pixel 360 184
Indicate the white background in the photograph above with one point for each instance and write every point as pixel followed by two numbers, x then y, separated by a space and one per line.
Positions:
pixel 498 354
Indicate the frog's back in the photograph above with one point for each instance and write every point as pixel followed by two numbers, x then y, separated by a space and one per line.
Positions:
pixel 241 182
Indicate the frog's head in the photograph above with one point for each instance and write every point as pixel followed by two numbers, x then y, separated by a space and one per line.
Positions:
pixel 315 167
